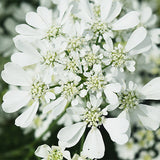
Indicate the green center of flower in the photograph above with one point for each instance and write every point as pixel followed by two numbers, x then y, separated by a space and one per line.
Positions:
pixel 93 117
pixel 91 59
pixel 75 43
pixel 118 56
pixel 49 58
pixel 69 90
pixel 56 154
pixel 95 82
pixel 53 32
pixel 71 65
pixel 128 100
pixel 38 89
pixel 99 27
pixel 97 11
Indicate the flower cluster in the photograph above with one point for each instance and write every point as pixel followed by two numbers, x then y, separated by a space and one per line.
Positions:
pixel 143 145
pixel 81 65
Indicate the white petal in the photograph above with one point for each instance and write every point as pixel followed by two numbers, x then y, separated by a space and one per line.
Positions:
pixel 93 146
pixel 53 104
pixel 149 116
pixel 26 47
pixel 108 46
pixel 124 114
pixel 143 47
pixel 110 91
pixel 114 11
pixel 35 20
pixel 136 38
pixel 24 59
pixel 45 14
pixel 85 11
pixel 49 95
pixel 15 100
pixel 146 14
pixel 42 151
pixel 130 20
pixel 105 8
pixel 58 109
pixel 26 30
pixel 116 128
pixel 26 118
pixel 13 74
pixel 67 155
pixel 130 65
pixel 152 89
pixel 71 134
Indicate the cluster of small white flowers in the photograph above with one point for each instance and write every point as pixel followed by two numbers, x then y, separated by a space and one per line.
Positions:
pixel 143 145
pixel 82 65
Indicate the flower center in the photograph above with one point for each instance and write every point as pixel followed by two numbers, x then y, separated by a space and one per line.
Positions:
pixel 69 90
pixel 53 32
pixel 118 56
pixel 75 43
pixel 49 58
pixel 38 89
pixel 93 117
pixel 72 65
pixel 97 11
pixel 99 27
pixel 95 82
pixel 56 154
pixel 128 100
pixel 91 58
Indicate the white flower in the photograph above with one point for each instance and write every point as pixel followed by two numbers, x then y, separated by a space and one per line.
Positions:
pixel 121 56
pixel 101 14
pixel 131 102
pixel 45 27
pixel 93 117
pixel 32 90
pixel 47 55
pixel 55 152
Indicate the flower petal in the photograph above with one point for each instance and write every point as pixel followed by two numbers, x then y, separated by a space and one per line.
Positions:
pixel 114 11
pixel 116 128
pixel 105 8
pixel 110 91
pixel 42 151
pixel 26 118
pixel 143 47
pixel 93 146
pixel 13 74
pixel 15 100
pixel 130 20
pixel 152 89
pixel 71 134
pixel 136 38
pixel 45 14
pixel 35 20
pixel 149 116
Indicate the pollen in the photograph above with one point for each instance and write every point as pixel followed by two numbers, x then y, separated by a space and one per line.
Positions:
pixel 95 82
pixel 56 154
pixel 93 117
pixel 128 100
pixel 38 89
pixel 49 58
pixel 118 56
pixel 53 32
pixel 69 90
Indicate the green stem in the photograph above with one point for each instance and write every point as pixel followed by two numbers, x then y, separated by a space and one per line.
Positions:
pixel 30 147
